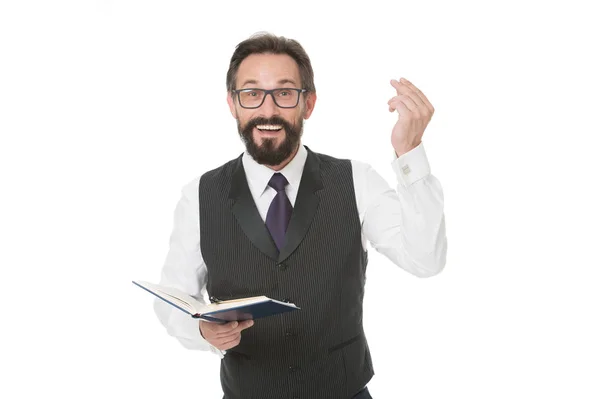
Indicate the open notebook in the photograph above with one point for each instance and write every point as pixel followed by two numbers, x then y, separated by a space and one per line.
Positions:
pixel 220 312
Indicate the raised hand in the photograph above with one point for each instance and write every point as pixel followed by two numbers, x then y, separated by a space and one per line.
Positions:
pixel 414 113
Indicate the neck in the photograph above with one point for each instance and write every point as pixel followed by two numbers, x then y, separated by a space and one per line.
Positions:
pixel 285 161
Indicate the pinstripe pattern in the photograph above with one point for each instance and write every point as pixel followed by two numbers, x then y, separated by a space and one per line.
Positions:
pixel 319 351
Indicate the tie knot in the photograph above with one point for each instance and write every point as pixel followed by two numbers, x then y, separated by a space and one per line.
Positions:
pixel 278 182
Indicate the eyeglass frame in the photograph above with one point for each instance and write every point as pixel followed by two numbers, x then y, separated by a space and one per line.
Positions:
pixel 267 92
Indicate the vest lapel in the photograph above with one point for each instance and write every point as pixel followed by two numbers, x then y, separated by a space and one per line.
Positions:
pixel 244 210
pixel 305 206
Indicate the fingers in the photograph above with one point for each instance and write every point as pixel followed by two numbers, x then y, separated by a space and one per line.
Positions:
pixel 247 324
pixel 224 330
pixel 213 330
pixel 405 87
pixel 224 336
pixel 227 342
pixel 406 101
pixel 418 92
pixel 232 343
pixel 237 328
pixel 397 85
pixel 397 104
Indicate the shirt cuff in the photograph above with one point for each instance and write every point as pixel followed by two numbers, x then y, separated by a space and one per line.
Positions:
pixel 411 166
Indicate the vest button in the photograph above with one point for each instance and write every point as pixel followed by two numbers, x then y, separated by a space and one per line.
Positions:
pixel 292 369
pixel 289 334
pixel 282 266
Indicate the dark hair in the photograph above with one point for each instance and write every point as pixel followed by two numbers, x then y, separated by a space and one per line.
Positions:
pixel 268 43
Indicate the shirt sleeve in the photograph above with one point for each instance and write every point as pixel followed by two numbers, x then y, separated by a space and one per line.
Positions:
pixel 407 225
pixel 185 269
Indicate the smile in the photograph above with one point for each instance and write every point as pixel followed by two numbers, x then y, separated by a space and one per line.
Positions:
pixel 269 128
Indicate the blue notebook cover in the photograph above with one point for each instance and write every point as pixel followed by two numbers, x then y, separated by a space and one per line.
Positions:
pixel 258 310
pixel 254 311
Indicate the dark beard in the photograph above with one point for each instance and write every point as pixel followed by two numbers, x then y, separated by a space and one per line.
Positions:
pixel 266 153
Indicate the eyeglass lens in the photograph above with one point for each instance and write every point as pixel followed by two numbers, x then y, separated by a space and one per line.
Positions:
pixel 254 98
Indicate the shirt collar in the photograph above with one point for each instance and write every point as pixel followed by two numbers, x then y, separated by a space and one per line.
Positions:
pixel 258 175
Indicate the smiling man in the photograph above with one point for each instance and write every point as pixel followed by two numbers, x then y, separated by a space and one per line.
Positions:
pixel 284 221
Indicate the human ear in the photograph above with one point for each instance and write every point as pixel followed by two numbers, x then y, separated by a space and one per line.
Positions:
pixel 311 99
pixel 231 103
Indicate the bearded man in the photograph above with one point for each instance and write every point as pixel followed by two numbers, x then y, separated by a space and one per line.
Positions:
pixel 284 221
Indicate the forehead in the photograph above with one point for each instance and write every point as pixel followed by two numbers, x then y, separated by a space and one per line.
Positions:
pixel 268 70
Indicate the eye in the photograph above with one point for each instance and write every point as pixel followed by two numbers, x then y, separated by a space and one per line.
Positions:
pixel 250 93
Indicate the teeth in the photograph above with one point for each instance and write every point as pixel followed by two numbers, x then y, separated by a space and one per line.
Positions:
pixel 269 127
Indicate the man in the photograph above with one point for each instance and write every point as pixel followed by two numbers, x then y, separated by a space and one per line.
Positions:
pixel 283 221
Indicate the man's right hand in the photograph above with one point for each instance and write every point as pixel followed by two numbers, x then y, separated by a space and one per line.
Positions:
pixel 224 336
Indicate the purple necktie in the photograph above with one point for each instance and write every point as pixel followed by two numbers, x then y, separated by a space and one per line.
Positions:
pixel 280 210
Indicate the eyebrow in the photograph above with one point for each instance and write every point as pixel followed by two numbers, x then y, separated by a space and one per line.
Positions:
pixel 280 82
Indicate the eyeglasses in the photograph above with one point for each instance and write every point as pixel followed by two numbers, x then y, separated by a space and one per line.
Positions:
pixel 284 98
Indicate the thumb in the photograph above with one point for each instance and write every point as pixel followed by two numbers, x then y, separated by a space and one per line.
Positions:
pixel 247 324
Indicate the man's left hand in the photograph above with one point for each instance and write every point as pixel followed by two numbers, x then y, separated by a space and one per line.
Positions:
pixel 414 113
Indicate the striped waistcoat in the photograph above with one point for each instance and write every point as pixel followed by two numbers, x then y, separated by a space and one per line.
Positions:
pixel 320 351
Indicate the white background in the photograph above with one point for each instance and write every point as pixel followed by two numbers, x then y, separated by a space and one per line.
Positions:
pixel 107 108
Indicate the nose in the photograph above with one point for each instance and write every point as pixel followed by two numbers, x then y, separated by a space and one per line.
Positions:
pixel 269 107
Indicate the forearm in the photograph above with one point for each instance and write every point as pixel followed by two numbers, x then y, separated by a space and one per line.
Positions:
pixel 420 239
pixel 185 270
pixel 418 244
pixel 407 225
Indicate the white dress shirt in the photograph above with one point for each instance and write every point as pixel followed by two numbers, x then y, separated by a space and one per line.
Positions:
pixel 406 225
